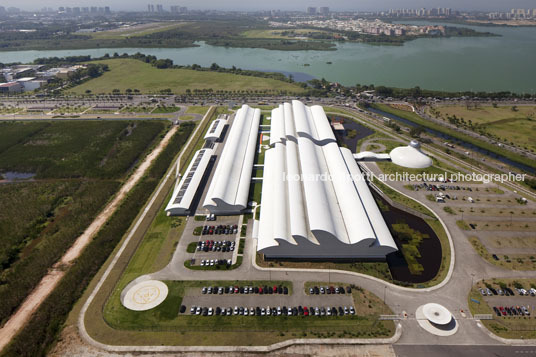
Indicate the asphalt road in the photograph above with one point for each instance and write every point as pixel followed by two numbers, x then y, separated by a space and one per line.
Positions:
pixel 462 351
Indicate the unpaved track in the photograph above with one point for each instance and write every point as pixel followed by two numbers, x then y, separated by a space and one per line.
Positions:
pixel 52 278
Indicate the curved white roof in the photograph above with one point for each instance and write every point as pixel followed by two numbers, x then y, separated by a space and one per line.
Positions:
pixel 410 156
pixel 438 314
pixel 185 191
pixel 311 203
pixel 229 188
pixel 369 155
pixel 215 130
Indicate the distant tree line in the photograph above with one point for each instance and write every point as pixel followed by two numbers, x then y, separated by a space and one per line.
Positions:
pixel 417 92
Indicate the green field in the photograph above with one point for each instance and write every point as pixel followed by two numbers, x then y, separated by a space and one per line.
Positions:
pixel 42 331
pixel 517 126
pixel 78 166
pixel 133 74
pixel 135 31
pixel 164 324
pixel 71 149
pixel 431 125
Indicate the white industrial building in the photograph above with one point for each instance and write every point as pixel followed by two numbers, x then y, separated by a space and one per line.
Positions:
pixel 216 128
pixel 184 193
pixel 315 201
pixel 229 188
pixel 410 156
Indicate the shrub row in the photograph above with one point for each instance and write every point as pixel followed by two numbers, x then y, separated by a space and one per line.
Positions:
pixel 41 331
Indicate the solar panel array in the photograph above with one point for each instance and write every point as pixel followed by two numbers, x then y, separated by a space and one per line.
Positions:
pixel 189 176
pixel 214 126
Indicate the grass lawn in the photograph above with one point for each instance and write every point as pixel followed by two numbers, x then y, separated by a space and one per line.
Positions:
pixel 517 126
pixel 516 327
pixel 431 125
pixel 196 109
pixel 395 196
pixel 376 269
pixel 133 74
pixel 164 109
pixel 157 326
pixel 187 117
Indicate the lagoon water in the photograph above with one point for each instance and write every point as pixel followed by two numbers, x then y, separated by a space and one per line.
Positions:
pixel 459 63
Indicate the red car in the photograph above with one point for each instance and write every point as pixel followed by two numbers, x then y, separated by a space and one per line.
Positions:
pixel 503 312
pixel 305 311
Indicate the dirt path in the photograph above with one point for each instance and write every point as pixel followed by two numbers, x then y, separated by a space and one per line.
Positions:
pixel 52 278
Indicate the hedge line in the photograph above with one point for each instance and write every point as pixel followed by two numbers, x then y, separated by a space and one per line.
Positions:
pixel 36 338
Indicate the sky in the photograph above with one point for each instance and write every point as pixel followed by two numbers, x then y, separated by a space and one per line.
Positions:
pixel 363 5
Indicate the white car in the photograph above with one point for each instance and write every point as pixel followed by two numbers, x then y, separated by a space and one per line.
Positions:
pixel 198 311
pixel 352 310
pixel 268 311
pixel 210 311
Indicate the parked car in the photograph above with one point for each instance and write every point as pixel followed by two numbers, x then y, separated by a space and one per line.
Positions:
pixel 497 311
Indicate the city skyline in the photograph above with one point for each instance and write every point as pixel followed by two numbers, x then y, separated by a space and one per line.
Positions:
pixel 300 5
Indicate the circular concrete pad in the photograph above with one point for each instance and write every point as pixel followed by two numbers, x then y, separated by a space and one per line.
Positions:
pixel 445 324
pixel 145 295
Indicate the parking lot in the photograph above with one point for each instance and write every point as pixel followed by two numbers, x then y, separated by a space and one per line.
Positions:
pixel 215 247
pixel 260 296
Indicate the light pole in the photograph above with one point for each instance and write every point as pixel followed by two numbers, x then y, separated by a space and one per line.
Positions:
pixel 384 292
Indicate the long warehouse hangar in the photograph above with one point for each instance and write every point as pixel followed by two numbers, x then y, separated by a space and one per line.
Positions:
pixel 229 189
pixel 315 202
